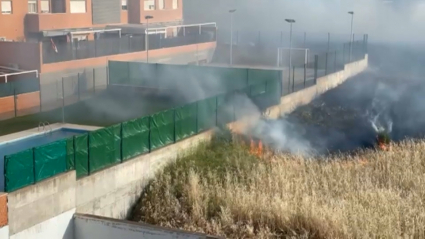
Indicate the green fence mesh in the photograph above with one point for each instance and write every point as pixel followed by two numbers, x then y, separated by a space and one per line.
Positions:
pixel 118 72
pixel 81 155
pixel 70 154
pixel 143 74
pixel 225 110
pixel 186 121
pixel 18 170
pixel 207 113
pixel 104 148
pixel 50 160
pixel 135 137
pixel 20 86
pixel 162 129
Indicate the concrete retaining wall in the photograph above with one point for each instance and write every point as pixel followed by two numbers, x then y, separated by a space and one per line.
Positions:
pixel 95 227
pixel 113 191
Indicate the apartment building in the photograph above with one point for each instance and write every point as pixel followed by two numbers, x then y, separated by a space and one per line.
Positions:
pixel 58 35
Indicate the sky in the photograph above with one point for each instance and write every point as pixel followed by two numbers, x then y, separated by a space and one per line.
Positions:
pixel 383 20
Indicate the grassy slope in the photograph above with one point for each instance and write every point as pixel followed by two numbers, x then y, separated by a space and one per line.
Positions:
pixel 222 190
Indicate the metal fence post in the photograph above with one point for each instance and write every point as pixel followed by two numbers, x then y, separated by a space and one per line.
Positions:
pixel 107 75
pixel 316 62
pixel 336 54
pixel 305 73
pixel 39 91
pixel 78 85
pixel 15 102
pixel 326 64
pixel 293 79
pixel 94 81
pixel 63 101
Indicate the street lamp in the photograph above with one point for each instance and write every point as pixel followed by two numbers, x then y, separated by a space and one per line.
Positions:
pixel 147 37
pixel 231 35
pixel 351 35
pixel 290 21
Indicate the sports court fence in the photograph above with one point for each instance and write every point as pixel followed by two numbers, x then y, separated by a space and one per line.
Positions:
pixel 106 147
pixel 305 75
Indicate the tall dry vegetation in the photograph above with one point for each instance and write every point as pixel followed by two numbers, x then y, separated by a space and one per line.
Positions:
pixel 222 190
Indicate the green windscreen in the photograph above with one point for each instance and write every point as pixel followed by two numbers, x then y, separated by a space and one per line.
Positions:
pixel 162 129
pixel 81 155
pixel 104 148
pixel 50 160
pixel 186 121
pixel 18 170
pixel 207 116
pixel 135 135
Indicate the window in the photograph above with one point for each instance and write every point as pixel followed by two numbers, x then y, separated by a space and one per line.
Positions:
pixel 175 4
pixel 78 6
pixel 32 6
pixel 124 4
pixel 6 7
pixel 45 6
pixel 161 4
pixel 149 5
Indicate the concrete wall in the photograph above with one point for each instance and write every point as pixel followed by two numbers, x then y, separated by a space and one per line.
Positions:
pixel 27 103
pixel 59 227
pixel 35 205
pixel 113 191
pixel 94 227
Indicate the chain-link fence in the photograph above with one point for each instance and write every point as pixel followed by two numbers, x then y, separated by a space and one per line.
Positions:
pixel 301 76
pixel 70 89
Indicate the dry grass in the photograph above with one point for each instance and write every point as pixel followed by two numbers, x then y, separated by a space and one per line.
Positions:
pixel 223 190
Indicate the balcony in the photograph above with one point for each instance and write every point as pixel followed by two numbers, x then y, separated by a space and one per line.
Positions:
pixel 115 46
pixel 56 21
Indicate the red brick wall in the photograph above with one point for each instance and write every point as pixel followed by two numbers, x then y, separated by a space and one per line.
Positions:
pixel 3 210
pixel 7 107
pixel 28 103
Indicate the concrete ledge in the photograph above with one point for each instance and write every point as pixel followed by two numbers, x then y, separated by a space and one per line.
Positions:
pixel 37 203
pixel 95 227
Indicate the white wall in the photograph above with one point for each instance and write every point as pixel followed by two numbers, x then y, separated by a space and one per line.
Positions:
pixel 59 227
pixel 4 232
pixel 92 227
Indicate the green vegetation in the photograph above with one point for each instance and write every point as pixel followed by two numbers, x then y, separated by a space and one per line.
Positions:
pixel 221 189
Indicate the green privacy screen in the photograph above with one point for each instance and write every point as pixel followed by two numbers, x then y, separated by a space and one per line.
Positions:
pixel 135 137
pixel 105 149
pixel 81 155
pixel 162 129
pixel 118 72
pixel 18 170
pixel 143 74
pixel 70 154
pixel 207 117
pixel 186 121
pixel 50 160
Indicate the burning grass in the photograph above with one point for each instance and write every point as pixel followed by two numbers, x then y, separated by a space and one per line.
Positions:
pixel 223 189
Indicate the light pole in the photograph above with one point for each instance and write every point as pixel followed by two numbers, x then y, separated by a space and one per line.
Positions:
pixel 147 37
pixel 351 34
pixel 231 35
pixel 290 21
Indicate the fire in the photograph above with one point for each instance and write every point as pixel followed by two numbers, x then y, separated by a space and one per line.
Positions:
pixel 254 149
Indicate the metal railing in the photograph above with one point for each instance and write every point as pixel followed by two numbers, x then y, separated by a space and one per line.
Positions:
pixel 126 44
